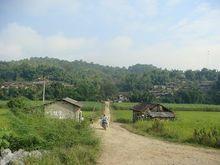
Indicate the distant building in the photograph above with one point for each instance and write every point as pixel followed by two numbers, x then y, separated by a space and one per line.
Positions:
pixel 122 97
pixel 65 108
pixel 145 111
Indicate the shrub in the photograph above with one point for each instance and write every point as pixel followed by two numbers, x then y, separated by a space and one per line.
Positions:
pixel 4 143
pixel 16 103
pixel 28 142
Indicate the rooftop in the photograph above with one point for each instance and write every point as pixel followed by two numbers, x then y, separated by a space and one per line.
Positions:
pixel 71 101
pixel 144 106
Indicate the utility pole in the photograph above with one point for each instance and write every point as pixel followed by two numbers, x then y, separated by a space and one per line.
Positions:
pixel 44 86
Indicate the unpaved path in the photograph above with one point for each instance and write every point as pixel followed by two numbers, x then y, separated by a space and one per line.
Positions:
pixel 121 147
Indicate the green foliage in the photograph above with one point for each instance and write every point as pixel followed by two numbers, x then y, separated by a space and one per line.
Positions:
pixel 16 103
pixel 29 142
pixel 92 82
pixel 140 96
pixel 216 91
pixel 22 104
pixel 191 95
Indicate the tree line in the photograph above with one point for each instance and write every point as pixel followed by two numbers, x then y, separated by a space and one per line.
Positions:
pixel 89 81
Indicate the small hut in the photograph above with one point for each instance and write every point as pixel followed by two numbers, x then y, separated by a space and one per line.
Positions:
pixel 145 111
pixel 64 108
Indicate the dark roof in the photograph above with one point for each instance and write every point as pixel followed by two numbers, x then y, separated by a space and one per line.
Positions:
pixel 71 101
pixel 145 106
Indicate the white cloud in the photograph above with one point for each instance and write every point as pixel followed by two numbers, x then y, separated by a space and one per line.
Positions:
pixel 203 7
pixel 206 24
pixel 165 54
pixel 18 42
pixel 9 52
pixel 120 42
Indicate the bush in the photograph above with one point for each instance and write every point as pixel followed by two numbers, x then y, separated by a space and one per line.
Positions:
pixel 4 143
pixel 206 137
pixel 28 142
pixel 16 103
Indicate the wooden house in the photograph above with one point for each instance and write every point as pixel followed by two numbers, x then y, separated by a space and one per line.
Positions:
pixel 145 111
pixel 64 108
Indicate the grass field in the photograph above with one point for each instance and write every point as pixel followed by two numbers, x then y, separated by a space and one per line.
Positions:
pixel 122 116
pixel 92 110
pixel 182 129
pixel 69 142
pixel 92 105
pixel 174 107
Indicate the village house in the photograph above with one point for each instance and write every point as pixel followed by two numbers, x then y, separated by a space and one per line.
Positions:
pixel 65 108
pixel 148 111
pixel 122 97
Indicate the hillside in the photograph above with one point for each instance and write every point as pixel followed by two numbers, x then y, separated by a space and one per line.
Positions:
pixel 89 81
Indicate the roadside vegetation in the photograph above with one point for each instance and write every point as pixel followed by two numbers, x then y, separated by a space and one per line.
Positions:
pixel 66 141
pixel 195 127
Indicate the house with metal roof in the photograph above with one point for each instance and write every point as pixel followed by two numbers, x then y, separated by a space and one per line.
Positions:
pixel 64 108
pixel 149 111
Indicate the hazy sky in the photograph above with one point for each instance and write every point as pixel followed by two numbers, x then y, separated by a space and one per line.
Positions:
pixel 173 34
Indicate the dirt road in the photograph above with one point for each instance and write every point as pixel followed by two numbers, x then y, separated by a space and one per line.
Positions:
pixel 121 147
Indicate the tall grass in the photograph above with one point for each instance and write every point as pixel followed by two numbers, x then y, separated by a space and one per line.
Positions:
pixel 67 141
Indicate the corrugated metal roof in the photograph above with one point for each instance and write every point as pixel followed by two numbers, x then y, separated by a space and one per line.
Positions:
pixel 71 101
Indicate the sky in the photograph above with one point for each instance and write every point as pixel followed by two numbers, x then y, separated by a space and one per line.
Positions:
pixel 172 34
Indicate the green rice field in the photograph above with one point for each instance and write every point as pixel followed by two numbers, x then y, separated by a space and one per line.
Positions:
pixel 183 129
pixel 174 107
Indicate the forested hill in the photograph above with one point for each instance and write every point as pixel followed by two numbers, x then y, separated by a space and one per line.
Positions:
pixel 88 81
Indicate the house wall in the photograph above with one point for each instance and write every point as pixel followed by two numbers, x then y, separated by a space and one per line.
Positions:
pixel 62 110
